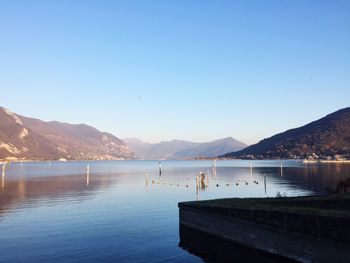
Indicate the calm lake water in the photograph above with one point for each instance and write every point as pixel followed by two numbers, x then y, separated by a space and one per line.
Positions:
pixel 58 212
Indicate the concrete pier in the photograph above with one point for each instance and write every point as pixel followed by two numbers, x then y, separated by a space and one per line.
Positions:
pixel 297 234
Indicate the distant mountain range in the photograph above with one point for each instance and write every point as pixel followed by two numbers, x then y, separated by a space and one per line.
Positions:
pixel 28 138
pixel 33 139
pixel 178 149
pixel 325 137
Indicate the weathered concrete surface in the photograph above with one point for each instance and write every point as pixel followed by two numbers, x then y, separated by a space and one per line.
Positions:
pixel 265 237
pixel 323 217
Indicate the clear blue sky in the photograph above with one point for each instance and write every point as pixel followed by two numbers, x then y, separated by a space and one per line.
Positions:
pixel 202 69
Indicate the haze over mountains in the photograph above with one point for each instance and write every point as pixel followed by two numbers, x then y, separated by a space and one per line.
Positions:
pixel 28 138
pixel 179 149
pixel 326 137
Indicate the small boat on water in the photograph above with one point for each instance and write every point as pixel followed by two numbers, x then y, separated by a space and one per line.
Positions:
pixel 62 160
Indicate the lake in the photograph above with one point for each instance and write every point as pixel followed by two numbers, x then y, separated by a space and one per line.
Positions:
pixel 124 211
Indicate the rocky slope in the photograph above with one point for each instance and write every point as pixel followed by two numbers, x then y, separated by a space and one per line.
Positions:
pixel 328 136
pixel 28 138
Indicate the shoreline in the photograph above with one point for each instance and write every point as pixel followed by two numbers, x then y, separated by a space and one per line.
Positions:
pixel 335 161
pixel 4 161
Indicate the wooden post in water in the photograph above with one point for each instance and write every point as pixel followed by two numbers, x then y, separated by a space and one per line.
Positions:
pixel 3 177
pixel 214 168
pixel 207 177
pixel 251 170
pixel 281 169
pixel 265 183
pixel 87 175
pixel 197 186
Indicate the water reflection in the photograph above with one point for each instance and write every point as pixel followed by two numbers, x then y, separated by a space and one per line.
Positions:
pixel 123 209
pixel 28 192
pixel 229 181
pixel 221 181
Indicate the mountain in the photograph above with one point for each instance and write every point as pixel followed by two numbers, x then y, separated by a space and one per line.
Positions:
pixel 162 150
pixel 139 147
pixel 27 138
pixel 325 137
pixel 179 149
pixel 211 149
pixel 17 140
